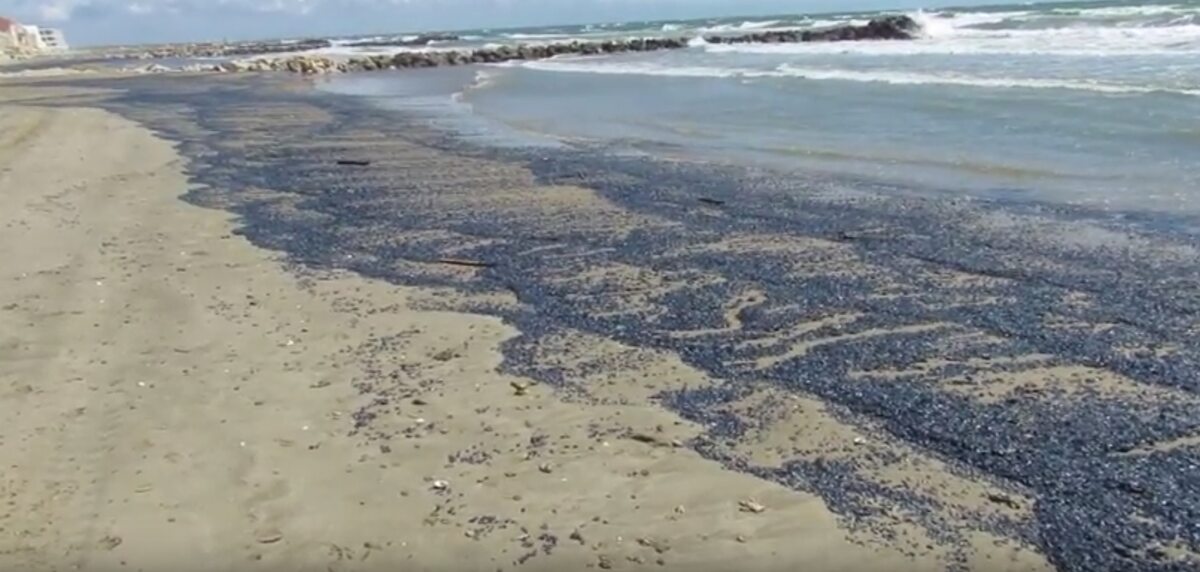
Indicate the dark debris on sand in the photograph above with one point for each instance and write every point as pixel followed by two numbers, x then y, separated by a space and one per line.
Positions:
pixel 907 306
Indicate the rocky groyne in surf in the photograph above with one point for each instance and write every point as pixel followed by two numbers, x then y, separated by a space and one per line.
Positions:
pixel 887 28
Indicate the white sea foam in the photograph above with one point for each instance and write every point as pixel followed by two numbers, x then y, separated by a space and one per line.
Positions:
pixel 1125 11
pixel 349 51
pixel 599 66
pixel 519 36
pixel 944 25
pixel 744 26
pixel 44 72
pixel 484 79
pixel 951 34
pixel 835 22
pixel 914 78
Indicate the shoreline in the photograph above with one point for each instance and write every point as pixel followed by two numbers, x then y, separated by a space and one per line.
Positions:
pixel 762 297
pixel 183 395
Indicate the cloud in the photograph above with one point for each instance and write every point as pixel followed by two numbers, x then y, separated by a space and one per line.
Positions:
pixel 56 10
pixel 133 21
pixel 64 10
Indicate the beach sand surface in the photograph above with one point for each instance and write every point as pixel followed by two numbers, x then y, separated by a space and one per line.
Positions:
pixel 178 399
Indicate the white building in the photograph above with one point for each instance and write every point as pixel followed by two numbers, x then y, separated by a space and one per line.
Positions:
pixel 21 38
pixel 31 37
pixel 52 39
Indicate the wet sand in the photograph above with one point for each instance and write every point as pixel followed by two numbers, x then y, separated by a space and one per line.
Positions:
pixel 178 398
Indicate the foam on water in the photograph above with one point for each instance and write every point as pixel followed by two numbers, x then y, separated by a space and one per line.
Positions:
pixel 523 36
pixel 744 26
pixel 913 78
pixel 348 51
pixel 1125 11
pixel 977 33
pixel 484 78
pixel 599 65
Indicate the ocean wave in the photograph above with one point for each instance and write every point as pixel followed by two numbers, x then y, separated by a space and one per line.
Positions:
pixel 916 78
pixel 598 66
pixel 349 43
pixel 348 51
pixel 949 36
pixel 1124 11
pixel 744 26
pixel 484 78
pixel 520 36
pixel 834 22
pixel 1117 17
pixel 43 72
pixel 946 24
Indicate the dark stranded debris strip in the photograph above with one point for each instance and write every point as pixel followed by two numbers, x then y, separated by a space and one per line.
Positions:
pixel 1065 372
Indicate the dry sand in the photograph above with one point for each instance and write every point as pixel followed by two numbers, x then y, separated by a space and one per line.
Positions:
pixel 176 399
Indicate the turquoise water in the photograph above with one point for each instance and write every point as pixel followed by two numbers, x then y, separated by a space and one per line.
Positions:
pixel 1095 104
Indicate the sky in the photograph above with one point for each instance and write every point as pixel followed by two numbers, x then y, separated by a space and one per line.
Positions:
pixel 104 22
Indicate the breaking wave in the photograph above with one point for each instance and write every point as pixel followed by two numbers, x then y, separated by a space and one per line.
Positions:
pixel 598 66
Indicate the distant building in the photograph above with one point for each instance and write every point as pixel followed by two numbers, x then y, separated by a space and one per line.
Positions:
pixel 31 37
pixel 53 40
pixel 15 37
pixel 8 33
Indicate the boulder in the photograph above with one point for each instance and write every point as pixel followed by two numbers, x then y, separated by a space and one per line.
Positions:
pixel 382 62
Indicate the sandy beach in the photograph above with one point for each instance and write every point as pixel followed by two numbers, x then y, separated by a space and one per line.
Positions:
pixel 177 398
pixel 852 291
pixel 251 324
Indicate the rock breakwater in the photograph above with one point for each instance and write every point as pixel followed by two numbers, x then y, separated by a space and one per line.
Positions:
pixel 886 28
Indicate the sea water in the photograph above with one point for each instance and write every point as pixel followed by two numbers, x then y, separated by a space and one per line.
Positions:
pixel 1090 104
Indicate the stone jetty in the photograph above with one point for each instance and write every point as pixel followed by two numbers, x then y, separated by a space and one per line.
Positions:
pixel 886 28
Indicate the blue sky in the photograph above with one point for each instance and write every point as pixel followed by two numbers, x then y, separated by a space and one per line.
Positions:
pixel 91 22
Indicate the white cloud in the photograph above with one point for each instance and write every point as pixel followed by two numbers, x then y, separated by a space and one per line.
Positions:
pixel 88 22
pixel 56 10
pixel 63 10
